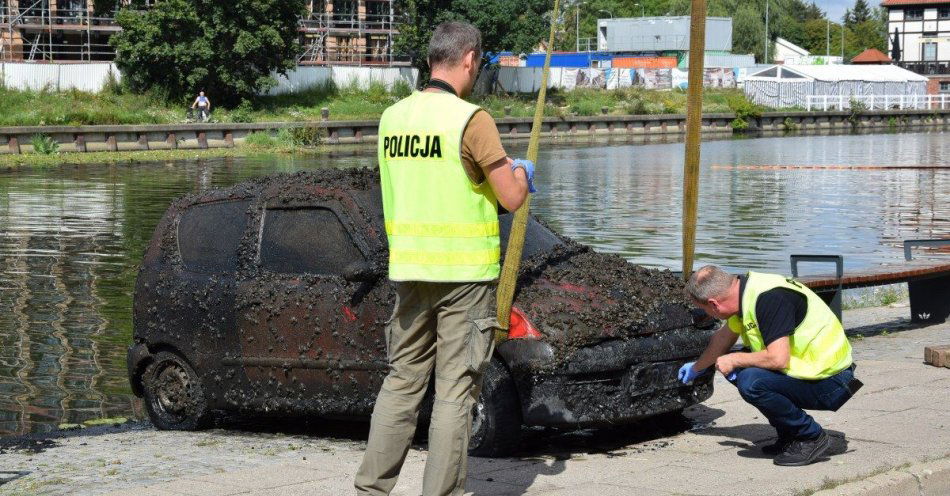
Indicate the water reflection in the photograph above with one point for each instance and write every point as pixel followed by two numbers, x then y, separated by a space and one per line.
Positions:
pixel 71 238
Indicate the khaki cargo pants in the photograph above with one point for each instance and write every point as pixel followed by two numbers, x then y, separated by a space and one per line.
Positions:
pixel 448 327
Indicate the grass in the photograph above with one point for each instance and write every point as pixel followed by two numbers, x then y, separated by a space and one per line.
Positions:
pixel 879 296
pixel 116 106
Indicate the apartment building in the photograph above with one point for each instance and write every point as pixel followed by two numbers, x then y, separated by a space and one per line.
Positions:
pixel 920 32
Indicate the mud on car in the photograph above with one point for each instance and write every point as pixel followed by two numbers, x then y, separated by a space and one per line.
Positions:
pixel 271 297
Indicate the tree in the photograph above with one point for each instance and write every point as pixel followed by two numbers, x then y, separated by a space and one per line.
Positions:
pixel 230 49
pixel 748 32
pixel 860 13
pixel 506 25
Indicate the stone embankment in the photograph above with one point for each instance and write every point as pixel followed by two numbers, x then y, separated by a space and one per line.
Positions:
pixel 16 140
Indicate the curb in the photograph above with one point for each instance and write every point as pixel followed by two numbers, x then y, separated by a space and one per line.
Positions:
pixel 924 479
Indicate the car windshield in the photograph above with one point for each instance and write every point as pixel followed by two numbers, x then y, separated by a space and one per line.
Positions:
pixel 538 238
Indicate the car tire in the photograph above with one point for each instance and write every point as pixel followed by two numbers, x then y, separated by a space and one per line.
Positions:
pixel 496 416
pixel 173 394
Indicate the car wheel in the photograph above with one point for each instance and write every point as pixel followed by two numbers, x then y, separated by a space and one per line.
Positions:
pixel 174 398
pixel 496 416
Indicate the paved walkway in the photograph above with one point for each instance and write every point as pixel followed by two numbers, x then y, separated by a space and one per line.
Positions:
pixel 898 420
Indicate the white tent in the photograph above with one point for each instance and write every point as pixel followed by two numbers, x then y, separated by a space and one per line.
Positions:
pixel 791 85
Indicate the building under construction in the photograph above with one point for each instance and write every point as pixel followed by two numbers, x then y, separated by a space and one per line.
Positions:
pixel 332 32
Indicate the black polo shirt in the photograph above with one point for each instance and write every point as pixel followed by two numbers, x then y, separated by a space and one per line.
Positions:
pixel 779 311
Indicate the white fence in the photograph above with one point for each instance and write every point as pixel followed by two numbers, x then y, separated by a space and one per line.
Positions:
pixel 878 102
pixel 305 77
pixel 91 77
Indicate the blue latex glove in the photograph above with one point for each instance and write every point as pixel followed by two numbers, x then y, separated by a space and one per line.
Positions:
pixel 688 374
pixel 528 167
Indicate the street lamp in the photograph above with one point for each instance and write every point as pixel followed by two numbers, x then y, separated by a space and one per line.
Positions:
pixel 577 27
pixel 642 9
pixel 608 13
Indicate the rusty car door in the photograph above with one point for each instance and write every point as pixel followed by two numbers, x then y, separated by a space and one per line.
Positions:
pixel 309 320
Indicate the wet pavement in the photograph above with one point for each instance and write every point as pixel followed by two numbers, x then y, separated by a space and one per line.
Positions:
pixel 897 420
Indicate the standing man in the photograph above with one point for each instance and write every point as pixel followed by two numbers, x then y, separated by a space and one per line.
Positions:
pixel 443 173
pixel 799 358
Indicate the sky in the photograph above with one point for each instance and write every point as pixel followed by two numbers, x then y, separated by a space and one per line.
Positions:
pixel 835 8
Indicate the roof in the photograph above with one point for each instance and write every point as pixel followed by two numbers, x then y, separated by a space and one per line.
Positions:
pixel 791 46
pixel 898 3
pixel 871 56
pixel 870 73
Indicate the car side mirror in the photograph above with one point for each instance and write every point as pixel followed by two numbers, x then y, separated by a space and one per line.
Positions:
pixel 360 271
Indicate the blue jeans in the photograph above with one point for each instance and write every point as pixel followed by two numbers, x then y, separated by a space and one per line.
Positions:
pixel 782 398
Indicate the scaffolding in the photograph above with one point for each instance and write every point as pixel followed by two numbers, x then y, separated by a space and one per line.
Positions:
pixel 332 32
pixel 349 32
pixel 54 31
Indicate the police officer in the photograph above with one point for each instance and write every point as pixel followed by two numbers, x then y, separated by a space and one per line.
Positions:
pixel 443 173
pixel 798 358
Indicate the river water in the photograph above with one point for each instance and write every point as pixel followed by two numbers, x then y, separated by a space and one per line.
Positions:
pixel 72 237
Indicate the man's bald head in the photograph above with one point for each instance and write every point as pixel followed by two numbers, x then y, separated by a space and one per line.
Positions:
pixel 708 283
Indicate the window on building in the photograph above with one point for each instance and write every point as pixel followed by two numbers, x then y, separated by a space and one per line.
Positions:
pixel 306 240
pixel 929 52
pixel 209 236
pixel 945 86
pixel 944 13
pixel 914 15
pixel 929 34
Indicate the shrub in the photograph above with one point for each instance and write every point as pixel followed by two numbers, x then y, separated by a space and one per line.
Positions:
pixel 745 111
pixel 44 144
pixel 243 112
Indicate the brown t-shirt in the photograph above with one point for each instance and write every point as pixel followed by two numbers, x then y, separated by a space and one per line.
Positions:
pixel 481 146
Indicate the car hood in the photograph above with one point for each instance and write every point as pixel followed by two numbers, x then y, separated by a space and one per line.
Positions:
pixel 577 297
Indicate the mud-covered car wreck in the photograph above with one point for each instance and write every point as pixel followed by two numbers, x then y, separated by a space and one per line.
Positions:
pixel 271 297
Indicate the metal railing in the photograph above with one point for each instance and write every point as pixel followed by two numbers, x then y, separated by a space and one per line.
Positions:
pixel 878 102
pixel 655 43
pixel 348 22
pixel 926 68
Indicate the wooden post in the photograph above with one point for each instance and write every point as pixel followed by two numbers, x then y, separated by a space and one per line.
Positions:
pixel 143 141
pixel 505 294
pixel 80 141
pixel 14 145
pixel 111 143
pixel 229 139
pixel 694 114
pixel 202 140
pixel 172 140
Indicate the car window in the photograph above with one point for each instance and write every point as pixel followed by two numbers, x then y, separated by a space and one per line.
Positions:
pixel 306 240
pixel 209 235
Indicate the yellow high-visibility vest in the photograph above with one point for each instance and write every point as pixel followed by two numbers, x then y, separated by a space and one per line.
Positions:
pixel 441 227
pixel 818 347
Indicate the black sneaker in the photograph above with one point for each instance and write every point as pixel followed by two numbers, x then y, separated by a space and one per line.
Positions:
pixel 778 446
pixel 803 451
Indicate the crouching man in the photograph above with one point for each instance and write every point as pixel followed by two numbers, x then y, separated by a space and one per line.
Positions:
pixel 799 356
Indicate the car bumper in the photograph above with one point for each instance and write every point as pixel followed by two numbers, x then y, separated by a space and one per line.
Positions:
pixel 618 396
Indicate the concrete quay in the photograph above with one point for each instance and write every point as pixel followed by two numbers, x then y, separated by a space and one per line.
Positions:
pixel 16 140
pixel 892 438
